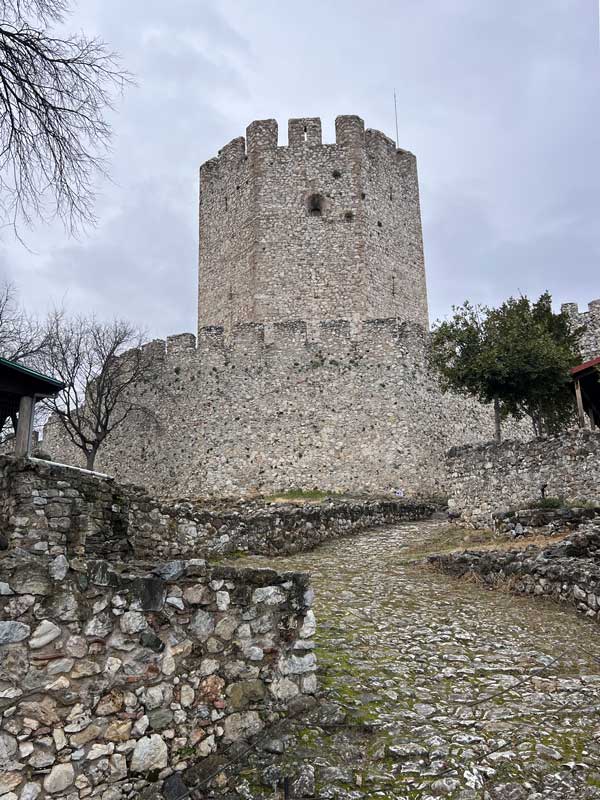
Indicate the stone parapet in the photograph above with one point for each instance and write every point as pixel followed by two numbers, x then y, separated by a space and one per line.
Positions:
pixel 589 321
pixel 338 405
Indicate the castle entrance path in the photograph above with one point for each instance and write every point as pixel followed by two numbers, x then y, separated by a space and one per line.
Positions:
pixel 435 687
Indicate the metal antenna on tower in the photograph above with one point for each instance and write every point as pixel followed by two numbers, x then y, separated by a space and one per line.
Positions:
pixel 396 115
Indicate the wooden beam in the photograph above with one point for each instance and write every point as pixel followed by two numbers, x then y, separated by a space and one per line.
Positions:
pixel 24 426
pixel 580 411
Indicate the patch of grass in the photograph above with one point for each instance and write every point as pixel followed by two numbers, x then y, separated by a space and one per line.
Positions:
pixel 234 555
pixel 559 502
pixel 294 495
pixel 548 502
pixel 447 539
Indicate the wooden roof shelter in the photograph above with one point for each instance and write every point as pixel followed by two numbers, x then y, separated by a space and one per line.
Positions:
pixel 586 378
pixel 20 389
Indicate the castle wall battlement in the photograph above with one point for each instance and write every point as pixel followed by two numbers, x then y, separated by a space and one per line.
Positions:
pixel 310 230
pixel 304 132
pixel 590 321
pixel 338 405
pixel 282 335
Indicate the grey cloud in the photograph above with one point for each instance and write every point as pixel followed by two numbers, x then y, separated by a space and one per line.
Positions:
pixel 500 102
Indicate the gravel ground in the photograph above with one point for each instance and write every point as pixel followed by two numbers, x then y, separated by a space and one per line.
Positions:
pixel 433 687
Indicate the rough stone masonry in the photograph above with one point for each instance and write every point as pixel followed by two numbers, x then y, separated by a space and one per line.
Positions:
pixel 116 676
pixel 310 365
pixel 491 478
pixel 50 509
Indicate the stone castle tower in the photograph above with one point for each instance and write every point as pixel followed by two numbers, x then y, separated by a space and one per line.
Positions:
pixel 310 231
pixel 309 368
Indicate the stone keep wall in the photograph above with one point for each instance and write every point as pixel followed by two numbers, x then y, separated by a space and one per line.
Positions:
pixel 590 321
pixel 266 256
pixel 333 406
pixel 60 511
pixel 490 478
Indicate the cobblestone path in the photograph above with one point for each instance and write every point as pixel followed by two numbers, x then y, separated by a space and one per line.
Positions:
pixel 434 686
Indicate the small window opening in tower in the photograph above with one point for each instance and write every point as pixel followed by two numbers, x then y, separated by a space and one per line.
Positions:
pixel 226 204
pixel 315 205
pixel 349 216
pixel 393 285
pixel 391 193
pixel 305 134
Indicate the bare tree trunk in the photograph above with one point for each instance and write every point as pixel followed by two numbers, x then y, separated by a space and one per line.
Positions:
pixel 90 458
pixel 497 427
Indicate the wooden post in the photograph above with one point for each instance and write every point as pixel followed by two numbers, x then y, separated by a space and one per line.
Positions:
pixel 580 411
pixel 24 427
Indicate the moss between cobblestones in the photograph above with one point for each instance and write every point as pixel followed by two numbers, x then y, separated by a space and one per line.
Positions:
pixel 386 624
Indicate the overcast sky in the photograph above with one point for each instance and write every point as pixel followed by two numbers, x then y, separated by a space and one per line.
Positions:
pixel 499 100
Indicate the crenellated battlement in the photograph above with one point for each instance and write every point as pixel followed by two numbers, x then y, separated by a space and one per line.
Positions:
pixel 310 229
pixel 590 321
pixel 303 132
pixel 573 308
pixel 255 344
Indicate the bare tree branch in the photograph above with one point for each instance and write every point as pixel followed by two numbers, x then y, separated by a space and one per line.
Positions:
pixel 101 366
pixel 21 335
pixel 54 93
pixel 45 10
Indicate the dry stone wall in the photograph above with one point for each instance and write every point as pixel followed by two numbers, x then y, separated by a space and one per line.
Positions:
pixel 112 682
pixel 57 510
pixel 493 478
pixel 568 572
pixel 117 675
pixel 335 406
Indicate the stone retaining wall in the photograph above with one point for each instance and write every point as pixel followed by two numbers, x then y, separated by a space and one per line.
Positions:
pixel 491 478
pixel 269 530
pixel 545 521
pixel 339 405
pixel 112 684
pixel 568 572
pixel 61 510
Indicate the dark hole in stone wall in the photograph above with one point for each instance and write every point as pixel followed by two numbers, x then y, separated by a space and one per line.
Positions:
pixel 315 205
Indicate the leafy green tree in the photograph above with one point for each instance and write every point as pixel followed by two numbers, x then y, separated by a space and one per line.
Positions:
pixel 516 356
